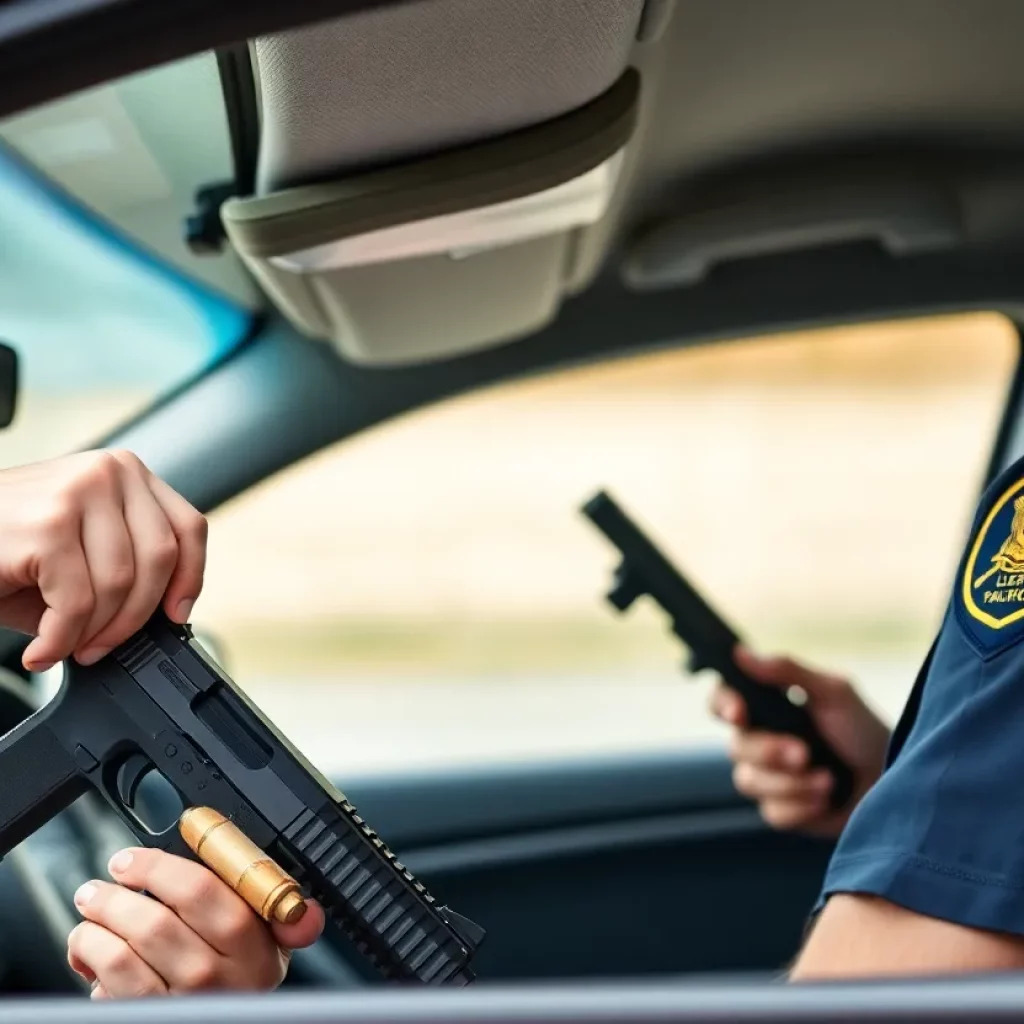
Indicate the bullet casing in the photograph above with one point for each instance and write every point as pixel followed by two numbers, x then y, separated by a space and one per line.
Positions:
pixel 239 862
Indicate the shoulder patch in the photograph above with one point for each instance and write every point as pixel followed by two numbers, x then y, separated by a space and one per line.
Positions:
pixel 992 584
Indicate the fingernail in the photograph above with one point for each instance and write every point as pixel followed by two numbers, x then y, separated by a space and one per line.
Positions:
pixel 184 609
pixel 39 667
pixel 91 655
pixel 84 895
pixel 120 862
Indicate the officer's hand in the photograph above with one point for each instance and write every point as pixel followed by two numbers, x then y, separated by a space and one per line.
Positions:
pixel 90 545
pixel 201 936
pixel 773 769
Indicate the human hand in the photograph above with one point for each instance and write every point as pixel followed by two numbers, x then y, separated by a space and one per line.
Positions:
pixel 201 936
pixel 90 545
pixel 774 769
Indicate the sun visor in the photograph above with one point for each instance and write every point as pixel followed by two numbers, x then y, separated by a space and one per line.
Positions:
pixel 441 254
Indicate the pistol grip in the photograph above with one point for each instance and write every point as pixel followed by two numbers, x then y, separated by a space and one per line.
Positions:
pixel 770 710
pixel 40 778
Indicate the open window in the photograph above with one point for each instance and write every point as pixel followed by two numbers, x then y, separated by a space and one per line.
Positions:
pixel 817 486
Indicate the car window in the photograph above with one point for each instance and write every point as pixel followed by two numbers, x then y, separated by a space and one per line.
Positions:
pixel 430 594
pixel 102 326
pixel 136 152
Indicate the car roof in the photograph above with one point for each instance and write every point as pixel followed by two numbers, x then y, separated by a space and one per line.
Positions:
pixel 829 142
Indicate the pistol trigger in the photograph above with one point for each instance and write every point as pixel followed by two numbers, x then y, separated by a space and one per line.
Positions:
pixel 129 775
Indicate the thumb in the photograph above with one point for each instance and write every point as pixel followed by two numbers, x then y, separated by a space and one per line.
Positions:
pixel 303 932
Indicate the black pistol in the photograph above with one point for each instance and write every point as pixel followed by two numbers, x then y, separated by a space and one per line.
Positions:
pixel 160 703
pixel 644 570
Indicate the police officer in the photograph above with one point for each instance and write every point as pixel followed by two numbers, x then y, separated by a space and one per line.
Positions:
pixel 928 873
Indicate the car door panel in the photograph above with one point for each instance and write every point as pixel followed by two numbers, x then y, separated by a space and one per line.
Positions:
pixel 649 865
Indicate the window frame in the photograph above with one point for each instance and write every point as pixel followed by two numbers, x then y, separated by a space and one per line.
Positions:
pixel 1008 444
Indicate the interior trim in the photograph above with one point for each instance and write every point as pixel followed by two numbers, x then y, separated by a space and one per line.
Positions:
pixel 689 827
pixel 1009 444
pixel 242 109
pixel 654 19
pixel 560 794
pixel 903 217
pixel 933 1001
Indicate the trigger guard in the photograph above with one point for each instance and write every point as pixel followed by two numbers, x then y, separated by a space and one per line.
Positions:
pixel 130 776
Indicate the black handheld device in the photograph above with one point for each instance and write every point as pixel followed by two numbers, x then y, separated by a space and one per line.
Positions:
pixel 160 703
pixel 645 570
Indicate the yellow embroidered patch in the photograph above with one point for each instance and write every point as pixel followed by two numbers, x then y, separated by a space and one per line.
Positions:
pixel 992 586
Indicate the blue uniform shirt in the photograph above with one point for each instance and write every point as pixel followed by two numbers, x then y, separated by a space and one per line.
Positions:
pixel 942 832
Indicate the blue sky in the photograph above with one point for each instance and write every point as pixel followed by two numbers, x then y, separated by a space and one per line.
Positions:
pixel 86 312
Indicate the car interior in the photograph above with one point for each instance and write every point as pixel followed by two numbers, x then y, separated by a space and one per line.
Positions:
pixel 389 206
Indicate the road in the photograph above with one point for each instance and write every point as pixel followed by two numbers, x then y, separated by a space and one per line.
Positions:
pixel 347 726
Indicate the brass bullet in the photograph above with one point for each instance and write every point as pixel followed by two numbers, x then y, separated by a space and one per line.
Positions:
pixel 239 862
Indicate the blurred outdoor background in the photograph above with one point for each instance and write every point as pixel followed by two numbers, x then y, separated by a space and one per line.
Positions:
pixel 429 594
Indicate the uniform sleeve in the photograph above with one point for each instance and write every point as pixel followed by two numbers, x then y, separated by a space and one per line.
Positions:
pixel 942 832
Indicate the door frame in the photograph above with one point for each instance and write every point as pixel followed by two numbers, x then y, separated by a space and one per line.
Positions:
pixel 938 1001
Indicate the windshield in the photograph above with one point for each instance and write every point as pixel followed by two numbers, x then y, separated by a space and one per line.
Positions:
pixel 102 328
